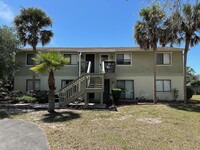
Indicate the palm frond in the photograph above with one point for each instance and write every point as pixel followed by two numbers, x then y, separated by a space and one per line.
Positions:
pixel 30 23
pixel 46 36
pixel 47 61
pixel 147 31
pixel 38 69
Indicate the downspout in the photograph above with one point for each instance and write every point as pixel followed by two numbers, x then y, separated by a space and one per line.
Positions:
pixel 79 69
pixel 79 66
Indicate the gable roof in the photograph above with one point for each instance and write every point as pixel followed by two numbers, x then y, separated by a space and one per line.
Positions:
pixel 98 49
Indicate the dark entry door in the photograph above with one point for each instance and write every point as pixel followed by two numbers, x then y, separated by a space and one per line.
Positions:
pixel 106 90
pixel 90 57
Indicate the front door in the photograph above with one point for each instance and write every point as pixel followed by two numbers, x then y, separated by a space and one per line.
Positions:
pixel 90 57
pixel 106 90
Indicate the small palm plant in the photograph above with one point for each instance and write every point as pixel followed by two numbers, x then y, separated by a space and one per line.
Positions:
pixel 49 62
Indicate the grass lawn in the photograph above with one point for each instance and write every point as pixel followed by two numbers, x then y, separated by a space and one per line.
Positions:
pixel 196 97
pixel 140 127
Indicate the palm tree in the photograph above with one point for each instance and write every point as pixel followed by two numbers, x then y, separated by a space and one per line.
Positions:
pixel 31 26
pixel 49 62
pixel 187 25
pixel 148 32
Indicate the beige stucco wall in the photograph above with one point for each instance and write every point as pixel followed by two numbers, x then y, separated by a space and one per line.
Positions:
pixel 68 70
pixel 143 85
pixel 20 82
pixel 142 64
pixel 176 82
pixel 140 71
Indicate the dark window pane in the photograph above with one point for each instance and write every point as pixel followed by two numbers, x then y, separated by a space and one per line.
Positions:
pixel 159 59
pixel 29 60
pixel 120 59
pixel 123 59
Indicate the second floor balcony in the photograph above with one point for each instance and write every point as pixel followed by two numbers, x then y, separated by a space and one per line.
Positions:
pixel 109 67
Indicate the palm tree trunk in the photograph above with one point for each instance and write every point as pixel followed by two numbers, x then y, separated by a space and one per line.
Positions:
pixel 187 44
pixel 51 82
pixel 154 74
pixel 34 54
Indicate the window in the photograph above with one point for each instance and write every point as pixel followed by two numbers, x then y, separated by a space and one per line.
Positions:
pixel 29 60
pixel 163 59
pixel 163 85
pixel 104 57
pixel 127 87
pixel 72 59
pixel 65 82
pixel 29 84
pixel 123 59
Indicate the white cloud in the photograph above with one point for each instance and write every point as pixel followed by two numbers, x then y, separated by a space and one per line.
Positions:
pixel 6 12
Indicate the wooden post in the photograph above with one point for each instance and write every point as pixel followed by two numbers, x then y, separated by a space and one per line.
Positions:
pixel 102 78
pixel 86 99
pixel 101 100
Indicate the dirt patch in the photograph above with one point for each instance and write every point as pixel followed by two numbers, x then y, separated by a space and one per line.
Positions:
pixel 150 120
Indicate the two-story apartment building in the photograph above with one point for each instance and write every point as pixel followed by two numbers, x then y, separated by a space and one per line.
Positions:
pixel 128 68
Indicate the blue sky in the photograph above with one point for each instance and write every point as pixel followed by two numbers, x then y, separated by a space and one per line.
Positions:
pixel 89 23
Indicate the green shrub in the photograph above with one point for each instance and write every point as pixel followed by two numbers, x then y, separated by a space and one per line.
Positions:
pixel 190 93
pixel 42 96
pixel 116 93
pixel 24 99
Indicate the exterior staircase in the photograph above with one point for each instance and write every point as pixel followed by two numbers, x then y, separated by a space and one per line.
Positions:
pixel 88 82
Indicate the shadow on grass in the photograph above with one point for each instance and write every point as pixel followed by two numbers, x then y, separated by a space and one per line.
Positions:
pixel 3 115
pixel 60 116
pixel 186 107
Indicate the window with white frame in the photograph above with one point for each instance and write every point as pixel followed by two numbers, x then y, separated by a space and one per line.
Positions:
pixel 123 59
pixel 73 59
pixel 65 82
pixel 163 59
pixel 163 85
pixel 29 84
pixel 29 60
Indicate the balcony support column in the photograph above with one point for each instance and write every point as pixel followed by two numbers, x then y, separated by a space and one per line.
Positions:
pixel 86 99
pixel 101 100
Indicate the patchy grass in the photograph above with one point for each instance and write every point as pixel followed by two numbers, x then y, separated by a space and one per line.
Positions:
pixel 196 97
pixel 138 127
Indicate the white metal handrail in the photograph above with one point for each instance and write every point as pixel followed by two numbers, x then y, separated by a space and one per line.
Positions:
pixel 89 67
pixel 103 67
pixel 78 87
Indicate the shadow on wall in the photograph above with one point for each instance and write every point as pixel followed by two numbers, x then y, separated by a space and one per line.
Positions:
pixel 186 107
pixel 60 116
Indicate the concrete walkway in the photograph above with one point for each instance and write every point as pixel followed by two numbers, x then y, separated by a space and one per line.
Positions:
pixel 20 135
